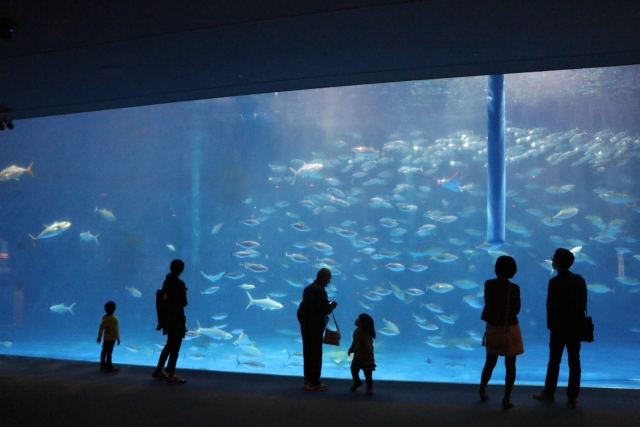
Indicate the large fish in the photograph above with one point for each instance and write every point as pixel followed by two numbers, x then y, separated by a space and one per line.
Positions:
pixel 618 198
pixel 395 266
pixel 566 213
pixel 266 303
pixel 217 228
pixel 598 288
pixel 441 288
pixel 214 332
pixel 256 268
pixel 307 169
pixel 366 152
pixel 399 294
pixel 212 278
pixel 87 237
pixel 52 230
pixel 389 332
pixel 106 214
pixel 452 183
pixel 133 291
pixel 61 309
pixel 444 257
pixel 14 172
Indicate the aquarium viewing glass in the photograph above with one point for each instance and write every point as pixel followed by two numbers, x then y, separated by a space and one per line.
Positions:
pixel 384 184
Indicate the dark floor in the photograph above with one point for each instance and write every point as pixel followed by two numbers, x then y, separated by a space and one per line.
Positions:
pixel 46 392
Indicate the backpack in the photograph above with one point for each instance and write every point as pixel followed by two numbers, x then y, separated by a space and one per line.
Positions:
pixel 164 309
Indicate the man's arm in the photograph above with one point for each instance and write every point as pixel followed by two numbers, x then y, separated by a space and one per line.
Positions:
pixel 550 305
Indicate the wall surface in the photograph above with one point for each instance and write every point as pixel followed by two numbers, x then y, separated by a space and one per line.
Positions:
pixel 72 56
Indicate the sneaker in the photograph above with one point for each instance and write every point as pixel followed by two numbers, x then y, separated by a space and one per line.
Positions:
pixel 543 397
pixel 175 380
pixel 369 391
pixel 572 403
pixel 316 387
pixel 506 405
pixel 112 369
pixel 158 375
pixel 355 386
pixel 484 396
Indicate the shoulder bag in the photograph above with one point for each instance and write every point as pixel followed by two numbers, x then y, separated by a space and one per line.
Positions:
pixel 332 337
pixel 586 328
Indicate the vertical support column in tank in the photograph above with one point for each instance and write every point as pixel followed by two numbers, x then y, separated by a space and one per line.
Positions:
pixel 197 134
pixel 496 168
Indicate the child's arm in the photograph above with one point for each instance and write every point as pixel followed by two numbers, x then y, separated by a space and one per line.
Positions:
pixel 352 349
pixel 116 328
pixel 100 333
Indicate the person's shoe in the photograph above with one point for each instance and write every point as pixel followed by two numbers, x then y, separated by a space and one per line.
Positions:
pixel 483 396
pixel 103 368
pixel 317 387
pixel 112 369
pixel 175 380
pixel 572 403
pixel 506 405
pixel 369 391
pixel 544 397
pixel 158 375
pixel 356 385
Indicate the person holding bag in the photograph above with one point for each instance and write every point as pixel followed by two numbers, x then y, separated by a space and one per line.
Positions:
pixel 503 336
pixel 566 306
pixel 172 321
pixel 313 315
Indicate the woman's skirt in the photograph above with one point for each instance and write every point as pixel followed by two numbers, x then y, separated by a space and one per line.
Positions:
pixel 501 343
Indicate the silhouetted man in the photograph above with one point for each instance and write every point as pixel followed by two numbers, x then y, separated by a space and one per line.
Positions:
pixel 566 305
pixel 313 316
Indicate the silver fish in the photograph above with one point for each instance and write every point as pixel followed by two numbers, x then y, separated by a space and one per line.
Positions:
pixel 14 172
pixel 52 230
pixel 106 214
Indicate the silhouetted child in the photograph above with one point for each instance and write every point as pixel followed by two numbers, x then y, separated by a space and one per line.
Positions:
pixel 362 349
pixel 109 325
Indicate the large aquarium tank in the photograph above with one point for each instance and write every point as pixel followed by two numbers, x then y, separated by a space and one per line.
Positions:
pixel 384 184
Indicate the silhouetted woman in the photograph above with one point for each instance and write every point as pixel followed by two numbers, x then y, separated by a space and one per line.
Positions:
pixel 501 307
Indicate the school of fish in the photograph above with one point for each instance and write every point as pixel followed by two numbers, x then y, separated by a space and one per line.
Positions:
pixel 401 223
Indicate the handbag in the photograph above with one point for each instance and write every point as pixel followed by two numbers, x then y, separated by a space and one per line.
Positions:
pixel 500 343
pixel 332 337
pixel 586 328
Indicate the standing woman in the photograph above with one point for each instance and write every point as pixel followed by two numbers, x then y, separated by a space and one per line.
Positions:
pixel 173 323
pixel 501 307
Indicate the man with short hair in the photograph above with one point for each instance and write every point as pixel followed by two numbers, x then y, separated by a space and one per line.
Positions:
pixel 313 316
pixel 566 306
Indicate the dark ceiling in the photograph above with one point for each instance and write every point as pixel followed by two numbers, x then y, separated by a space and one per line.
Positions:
pixel 70 56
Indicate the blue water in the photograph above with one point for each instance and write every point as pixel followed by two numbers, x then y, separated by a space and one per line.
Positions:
pixel 172 174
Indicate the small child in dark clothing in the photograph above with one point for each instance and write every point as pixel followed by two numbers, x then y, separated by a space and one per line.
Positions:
pixel 362 349
pixel 109 326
